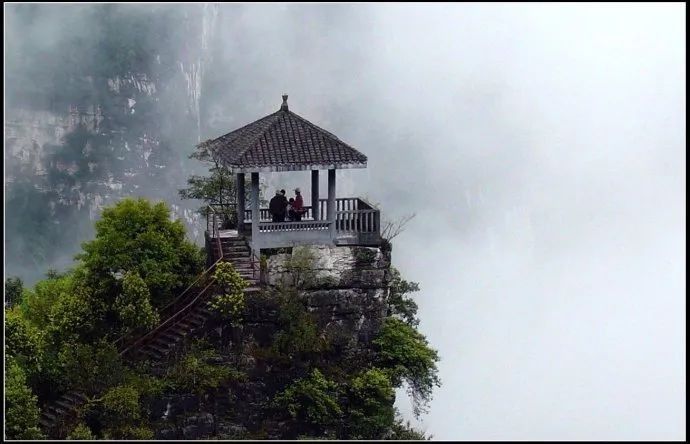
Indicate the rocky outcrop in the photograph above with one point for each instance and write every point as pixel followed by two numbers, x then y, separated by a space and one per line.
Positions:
pixel 344 289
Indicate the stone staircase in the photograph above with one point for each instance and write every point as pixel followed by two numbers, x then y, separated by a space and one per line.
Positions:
pixel 164 339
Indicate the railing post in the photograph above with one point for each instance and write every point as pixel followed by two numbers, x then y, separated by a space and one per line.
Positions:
pixel 241 199
pixel 315 195
pixel 331 201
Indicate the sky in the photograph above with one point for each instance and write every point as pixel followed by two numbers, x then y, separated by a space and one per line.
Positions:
pixel 542 149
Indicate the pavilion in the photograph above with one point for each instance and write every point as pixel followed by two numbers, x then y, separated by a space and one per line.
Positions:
pixel 284 141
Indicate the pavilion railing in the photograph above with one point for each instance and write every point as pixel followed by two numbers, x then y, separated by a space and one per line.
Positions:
pixel 352 215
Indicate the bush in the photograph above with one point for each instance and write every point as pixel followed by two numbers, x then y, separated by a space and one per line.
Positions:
pixel 138 236
pixel 133 305
pixel 13 291
pixel 230 303
pixel 193 372
pixel 91 368
pixel 81 431
pixel 312 400
pixel 21 409
pixel 405 355
pixel 371 412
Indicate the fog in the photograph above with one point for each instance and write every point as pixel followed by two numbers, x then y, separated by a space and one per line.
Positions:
pixel 542 148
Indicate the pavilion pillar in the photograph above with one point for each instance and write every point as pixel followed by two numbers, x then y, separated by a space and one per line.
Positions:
pixel 315 195
pixel 256 211
pixel 330 209
pixel 241 199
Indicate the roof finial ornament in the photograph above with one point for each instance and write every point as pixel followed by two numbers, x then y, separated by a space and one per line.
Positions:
pixel 284 106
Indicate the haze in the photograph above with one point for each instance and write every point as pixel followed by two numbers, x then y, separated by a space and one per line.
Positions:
pixel 542 148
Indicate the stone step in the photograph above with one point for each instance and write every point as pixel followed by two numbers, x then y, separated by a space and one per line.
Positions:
pixel 65 404
pixel 162 342
pixel 74 396
pixel 173 335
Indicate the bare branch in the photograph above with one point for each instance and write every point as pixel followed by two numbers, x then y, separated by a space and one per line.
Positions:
pixel 392 228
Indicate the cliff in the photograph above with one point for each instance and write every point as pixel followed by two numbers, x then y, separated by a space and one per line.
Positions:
pixel 344 291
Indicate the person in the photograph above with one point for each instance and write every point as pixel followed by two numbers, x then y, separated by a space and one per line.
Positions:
pixel 291 209
pixel 285 204
pixel 276 207
pixel 298 206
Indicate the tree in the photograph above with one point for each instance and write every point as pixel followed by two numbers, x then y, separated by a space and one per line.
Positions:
pixel 21 409
pixel 370 399
pixel 399 304
pixel 405 355
pixel 13 291
pixel 23 341
pixel 138 236
pixel 312 400
pixel 220 188
pixel 230 302
pixel 133 305
pixel 90 367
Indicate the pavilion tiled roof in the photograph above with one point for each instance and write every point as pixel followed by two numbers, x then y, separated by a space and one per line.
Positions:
pixel 283 141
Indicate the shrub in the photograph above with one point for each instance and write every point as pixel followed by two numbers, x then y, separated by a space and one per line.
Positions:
pixel 21 409
pixel 313 400
pixel 81 431
pixel 405 355
pixel 230 303
pixel 133 305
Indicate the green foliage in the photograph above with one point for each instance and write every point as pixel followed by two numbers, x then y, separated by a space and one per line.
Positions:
pixel 90 367
pixel 133 305
pixel 23 341
pixel 195 373
pixel 399 304
pixel 21 409
pixel 37 304
pixel 81 432
pixel 230 302
pixel 121 404
pixel 370 398
pixel 13 291
pixel 217 189
pixel 400 431
pixel 136 235
pixel 300 267
pixel 121 414
pixel 298 337
pixel 405 355
pixel 312 400
pixel 72 317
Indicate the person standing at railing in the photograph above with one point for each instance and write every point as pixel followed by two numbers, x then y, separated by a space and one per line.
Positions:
pixel 298 206
pixel 277 207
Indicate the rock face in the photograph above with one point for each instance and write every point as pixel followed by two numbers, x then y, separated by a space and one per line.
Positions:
pixel 345 292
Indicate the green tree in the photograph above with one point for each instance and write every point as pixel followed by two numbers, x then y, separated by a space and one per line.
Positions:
pixel 21 409
pixel 90 367
pixel 133 305
pixel 23 341
pixel 370 400
pixel 81 432
pixel 195 372
pixel 13 291
pixel 37 304
pixel 399 304
pixel 230 302
pixel 312 401
pixel 138 236
pixel 405 355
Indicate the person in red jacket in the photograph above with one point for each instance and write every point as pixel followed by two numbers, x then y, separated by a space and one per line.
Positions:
pixel 298 206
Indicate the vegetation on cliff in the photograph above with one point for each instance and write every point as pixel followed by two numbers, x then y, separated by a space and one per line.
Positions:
pixel 60 334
